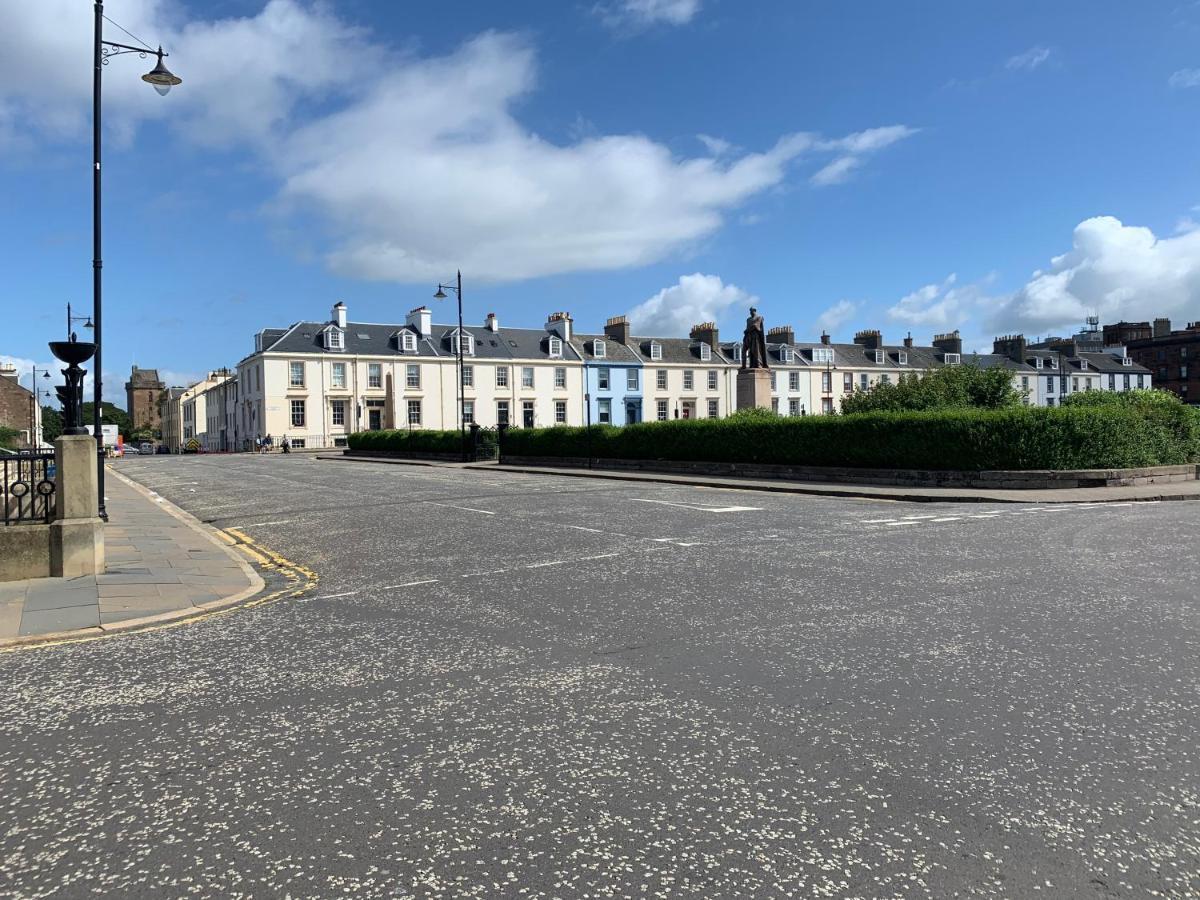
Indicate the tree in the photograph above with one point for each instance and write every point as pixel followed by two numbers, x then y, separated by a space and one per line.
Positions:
pixel 8 437
pixel 109 415
pixel 950 387
pixel 52 423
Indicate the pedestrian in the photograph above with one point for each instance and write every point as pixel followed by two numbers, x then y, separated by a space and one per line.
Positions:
pixel 286 445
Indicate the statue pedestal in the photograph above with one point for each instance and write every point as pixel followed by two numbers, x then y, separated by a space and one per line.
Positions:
pixel 76 534
pixel 754 388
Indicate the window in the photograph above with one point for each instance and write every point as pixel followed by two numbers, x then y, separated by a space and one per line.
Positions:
pixel 1049 401
pixel 599 350
pixel 560 412
pixel 1162 373
pixel 604 411
pixel 338 412
pixel 1126 384
pixel 712 379
pixel 827 382
pixel 737 352
pixel 555 346
pixel 1083 365
pixel 877 355
pixel 297 413
pixel 1141 381
pixel 468 343
pixel 602 378
pixel 885 378
pixel 793 381
pixel 468 376
pixel 1049 384
pixel 827 406
pixel 631 379
pixel 772 381
pixel 864 382
pixel 412 376
pixel 902 358
pixel 660 379
pixel 847 382
pixel 337 378
pixel 296 374
pixel 501 412
pixel 775 405
pixel 414 413
pixel 374 375
pixel 1075 383
pixel 655 351
pixel 705 353
pixel 1024 382
pixel 527 376
pixel 1183 354
pixel 1053 361
pixel 714 409
pixel 468 412
pixel 408 342
pixel 298 443
pixel 1062 385
pixel 785 354
pixel 560 377
pixel 335 340
pixel 1112 382
pixel 952 359
pixel 823 354
pixel 1128 361
pixel 661 410
pixel 689 380
pixel 1037 362
pixel 793 407
pixel 1182 372
pixel 502 376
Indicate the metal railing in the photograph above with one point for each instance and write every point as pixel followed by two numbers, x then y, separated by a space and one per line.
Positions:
pixel 27 488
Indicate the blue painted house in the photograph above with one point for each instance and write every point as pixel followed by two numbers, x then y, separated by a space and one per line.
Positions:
pixel 613 382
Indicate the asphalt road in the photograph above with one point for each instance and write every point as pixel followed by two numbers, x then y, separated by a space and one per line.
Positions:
pixel 520 685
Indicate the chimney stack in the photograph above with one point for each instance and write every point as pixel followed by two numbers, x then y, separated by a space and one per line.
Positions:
pixel 950 342
pixel 825 338
pixel 560 323
pixel 492 324
pixel 1011 345
pixel 1162 327
pixel 870 339
pixel 617 328
pixel 781 334
pixel 339 314
pixel 705 333
pixel 908 342
pixel 421 320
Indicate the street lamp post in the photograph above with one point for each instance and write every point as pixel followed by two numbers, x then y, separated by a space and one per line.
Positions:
pixel 35 433
pixel 161 79
pixel 441 295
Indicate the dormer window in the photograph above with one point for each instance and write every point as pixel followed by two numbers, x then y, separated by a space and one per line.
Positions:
pixel 1126 361
pixel 1053 362
pixel 737 352
pixel 822 354
pixel 599 350
pixel 468 343
pixel 878 356
pixel 1037 362
pixel 902 358
pixel 408 342
pixel 556 347
pixel 705 353
pixel 952 359
pixel 335 339
pixel 655 350
pixel 1083 365
pixel 785 354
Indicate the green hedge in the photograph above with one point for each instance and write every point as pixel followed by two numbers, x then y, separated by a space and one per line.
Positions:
pixel 1112 435
pixel 407 441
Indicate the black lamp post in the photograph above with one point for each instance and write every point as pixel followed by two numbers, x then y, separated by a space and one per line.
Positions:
pixel 441 295
pixel 161 79
pixel 35 438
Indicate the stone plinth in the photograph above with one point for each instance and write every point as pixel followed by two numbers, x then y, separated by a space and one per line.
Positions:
pixel 754 388
pixel 76 534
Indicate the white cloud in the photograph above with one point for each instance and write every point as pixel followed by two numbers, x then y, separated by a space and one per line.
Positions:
pixel 1029 60
pixel 714 145
pixel 175 378
pixel 1114 270
pixel 853 149
pixel 837 315
pixel 1185 78
pixel 414 168
pixel 695 298
pixel 941 306
pixel 645 13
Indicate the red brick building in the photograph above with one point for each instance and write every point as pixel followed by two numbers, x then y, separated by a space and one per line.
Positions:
pixel 1172 356
pixel 16 405
pixel 143 391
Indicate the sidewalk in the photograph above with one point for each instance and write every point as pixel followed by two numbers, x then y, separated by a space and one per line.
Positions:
pixel 162 565
pixel 1186 490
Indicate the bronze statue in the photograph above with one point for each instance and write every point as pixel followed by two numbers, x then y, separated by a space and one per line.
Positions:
pixel 754 343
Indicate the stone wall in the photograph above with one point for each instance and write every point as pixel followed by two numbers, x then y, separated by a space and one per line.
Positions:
pixel 24 552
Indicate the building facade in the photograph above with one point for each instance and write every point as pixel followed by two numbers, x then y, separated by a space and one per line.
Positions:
pixel 1172 356
pixel 19 409
pixel 143 393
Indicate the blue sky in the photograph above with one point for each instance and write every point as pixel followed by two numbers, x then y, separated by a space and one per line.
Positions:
pixel 923 166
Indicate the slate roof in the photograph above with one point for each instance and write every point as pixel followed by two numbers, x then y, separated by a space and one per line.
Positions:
pixel 676 350
pixel 1106 363
pixel 372 339
pixel 616 353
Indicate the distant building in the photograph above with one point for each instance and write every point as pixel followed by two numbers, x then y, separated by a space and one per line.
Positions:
pixel 18 409
pixel 170 411
pixel 143 391
pixel 1173 356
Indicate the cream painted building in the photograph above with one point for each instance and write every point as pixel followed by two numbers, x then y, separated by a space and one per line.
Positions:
pixel 316 382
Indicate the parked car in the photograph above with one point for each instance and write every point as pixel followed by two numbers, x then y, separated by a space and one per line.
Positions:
pixel 130 449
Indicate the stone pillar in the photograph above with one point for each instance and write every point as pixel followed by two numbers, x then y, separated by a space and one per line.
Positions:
pixel 754 388
pixel 76 534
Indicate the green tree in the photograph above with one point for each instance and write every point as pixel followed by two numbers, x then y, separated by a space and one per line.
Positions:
pixel 8 437
pixel 950 387
pixel 52 423
pixel 109 415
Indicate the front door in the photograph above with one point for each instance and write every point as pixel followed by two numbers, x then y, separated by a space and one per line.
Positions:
pixel 375 419
pixel 633 412
pixel 527 414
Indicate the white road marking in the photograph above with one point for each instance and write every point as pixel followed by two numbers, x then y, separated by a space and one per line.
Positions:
pixel 581 528
pixel 919 517
pixel 335 596
pixel 557 562
pixel 878 521
pixel 985 516
pixel 712 509
pixel 392 587
pixel 949 519
pixel 904 523
pixel 486 512
pixel 601 556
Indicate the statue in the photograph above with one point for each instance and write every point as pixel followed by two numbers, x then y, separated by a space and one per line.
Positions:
pixel 754 343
